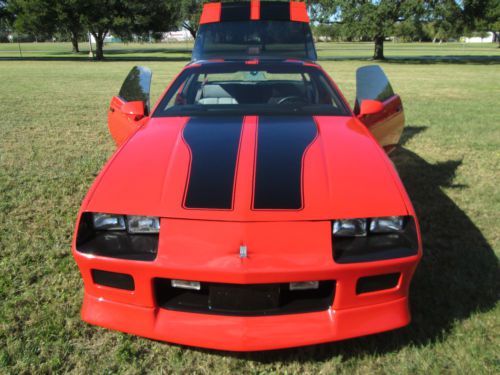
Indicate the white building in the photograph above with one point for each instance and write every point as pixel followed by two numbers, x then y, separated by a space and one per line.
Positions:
pixel 490 38
pixel 177 36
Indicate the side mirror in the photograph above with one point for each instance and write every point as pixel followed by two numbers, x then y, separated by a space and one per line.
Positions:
pixel 370 107
pixel 133 110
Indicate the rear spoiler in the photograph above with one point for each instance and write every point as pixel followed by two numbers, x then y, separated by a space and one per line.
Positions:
pixel 254 10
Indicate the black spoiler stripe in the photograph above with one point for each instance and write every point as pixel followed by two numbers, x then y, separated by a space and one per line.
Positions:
pixel 281 146
pixel 273 10
pixel 214 144
pixel 269 10
pixel 235 11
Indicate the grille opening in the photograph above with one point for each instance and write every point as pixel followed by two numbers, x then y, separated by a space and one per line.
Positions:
pixel 244 299
pixel 113 279
pixel 376 283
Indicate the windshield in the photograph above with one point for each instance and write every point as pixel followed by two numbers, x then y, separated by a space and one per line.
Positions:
pixel 244 39
pixel 249 89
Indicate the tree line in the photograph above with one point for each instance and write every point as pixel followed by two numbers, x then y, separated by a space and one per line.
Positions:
pixel 373 20
pixel 408 19
pixel 74 18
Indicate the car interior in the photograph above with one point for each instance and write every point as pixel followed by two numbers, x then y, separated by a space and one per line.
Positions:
pixel 200 90
pixel 270 92
pixel 258 91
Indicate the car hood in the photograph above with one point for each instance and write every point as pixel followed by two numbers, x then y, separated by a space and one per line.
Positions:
pixel 250 169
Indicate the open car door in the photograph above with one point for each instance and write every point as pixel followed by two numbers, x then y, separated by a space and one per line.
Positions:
pixel 378 107
pixel 129 110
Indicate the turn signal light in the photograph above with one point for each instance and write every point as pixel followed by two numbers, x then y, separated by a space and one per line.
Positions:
pixel 304 285
pixel 185 284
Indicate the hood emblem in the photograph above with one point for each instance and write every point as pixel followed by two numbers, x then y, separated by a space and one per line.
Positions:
pixel 243 251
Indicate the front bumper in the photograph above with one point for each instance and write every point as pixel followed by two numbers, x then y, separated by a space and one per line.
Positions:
pixel 245 333
pixel 276 255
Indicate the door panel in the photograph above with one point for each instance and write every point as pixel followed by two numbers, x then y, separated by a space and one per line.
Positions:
pixel 135 88
pixel 121 126
pixel 387 125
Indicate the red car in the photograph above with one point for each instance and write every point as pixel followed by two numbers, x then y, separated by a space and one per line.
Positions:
pixel 251 208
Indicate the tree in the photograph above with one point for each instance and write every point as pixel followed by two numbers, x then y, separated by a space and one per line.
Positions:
pixel 34 17
pixel 69 20
pixel 326 32
pixel 126 17
pixel 446 19
pixel 411 29
pixel 38 17
pixel 492 19
pixel 6 16
pixel 483 16
pixel 375 20
pixel 190 12
pixel 452 18
pixel 6 19
pixel 3 10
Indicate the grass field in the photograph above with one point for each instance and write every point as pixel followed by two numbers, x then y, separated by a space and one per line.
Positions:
pixel 54 140
pixel 182 51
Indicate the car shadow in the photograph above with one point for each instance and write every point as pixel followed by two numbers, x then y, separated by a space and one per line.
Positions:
pixel 456 277
pixel 423 59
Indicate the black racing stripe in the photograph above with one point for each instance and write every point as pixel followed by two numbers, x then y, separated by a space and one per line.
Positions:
pixel 281 144
pixel 214 144
pixel 273 10
pixel 237 11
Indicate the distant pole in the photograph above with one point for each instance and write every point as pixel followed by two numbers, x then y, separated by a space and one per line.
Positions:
pixel 19 45
pixel 91 53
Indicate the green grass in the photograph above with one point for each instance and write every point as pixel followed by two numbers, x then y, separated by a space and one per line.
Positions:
pixel 182 51
pixel 392 49
pixel 54 140
pixel 175 50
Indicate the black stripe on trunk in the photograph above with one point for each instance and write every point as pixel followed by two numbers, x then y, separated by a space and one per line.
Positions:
pixel 281 145
pixel 214 144
pixel 275 10
pixel 238 11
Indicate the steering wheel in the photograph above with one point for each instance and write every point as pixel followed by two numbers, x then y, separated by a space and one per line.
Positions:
pixel 292 99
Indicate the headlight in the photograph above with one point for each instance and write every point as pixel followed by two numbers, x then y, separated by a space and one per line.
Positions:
pixel 361 227
pixel 386 224
pixel 118 236
pixel 132 223
pixel 143 224
pixel 372 239
pixel 349 228
pixel 108 222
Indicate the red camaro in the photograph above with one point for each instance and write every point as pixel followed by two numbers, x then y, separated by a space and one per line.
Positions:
pixel 251 208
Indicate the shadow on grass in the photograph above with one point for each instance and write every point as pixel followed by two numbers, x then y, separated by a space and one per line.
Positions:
pixel 143 55
pixel 449 59
pixel 456 277
pixel 177 54
pixel 107 58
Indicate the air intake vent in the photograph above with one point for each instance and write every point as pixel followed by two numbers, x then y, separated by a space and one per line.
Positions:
pixel 113 279
pixel 376 283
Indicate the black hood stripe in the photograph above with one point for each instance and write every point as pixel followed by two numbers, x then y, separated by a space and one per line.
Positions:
pixel 214 144
pixel 281 146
